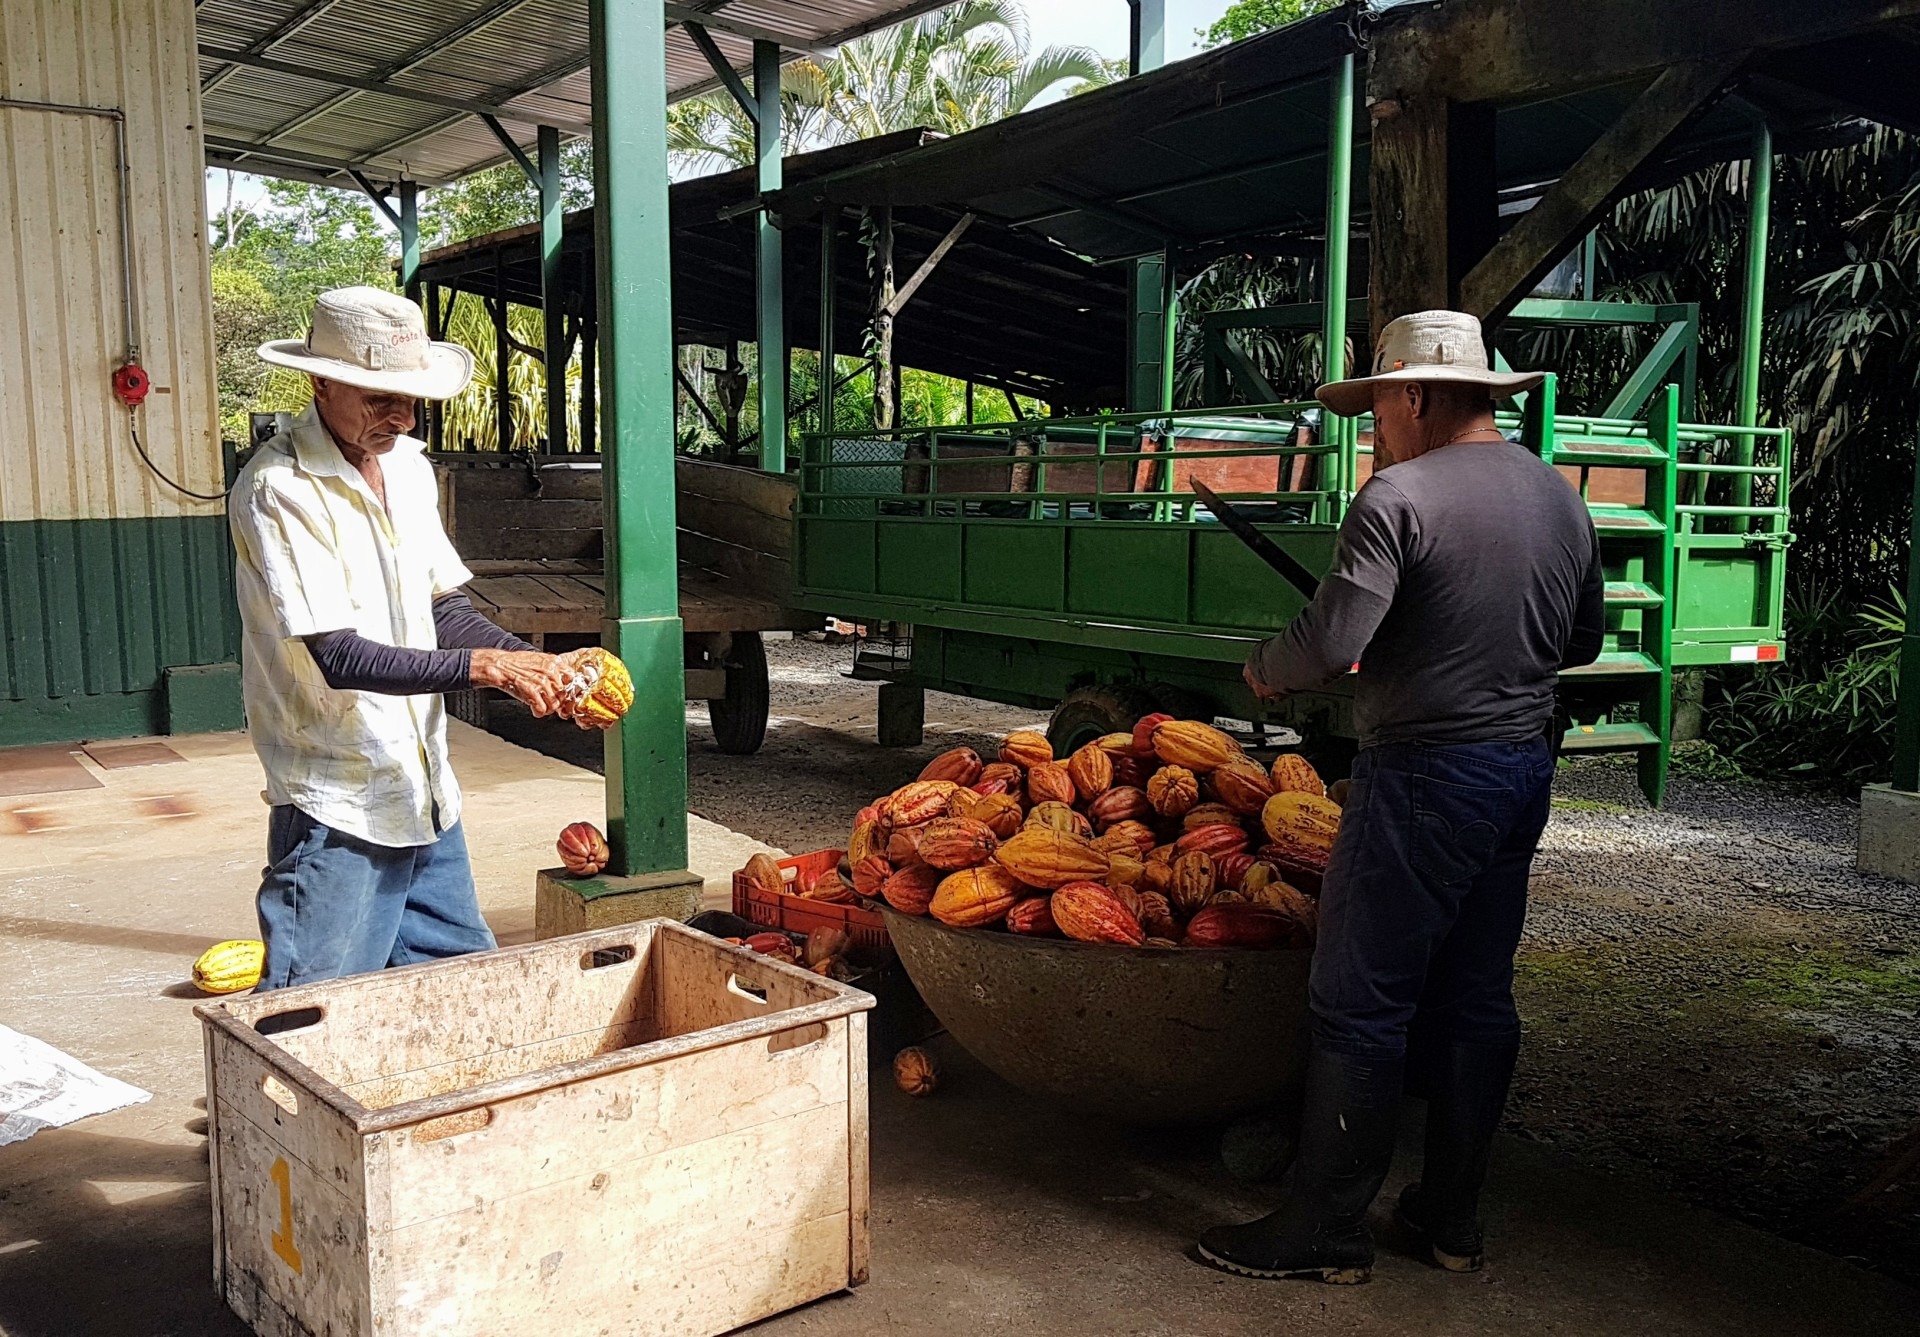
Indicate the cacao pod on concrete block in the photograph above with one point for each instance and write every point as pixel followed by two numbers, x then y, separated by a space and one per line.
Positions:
pixel 1309 819
pixel 1216 839
pixel 1120 804
pixel 584 851
pixel 920 802
pixel 1198 747
pixel 1033 917
pixel 1060 817
pixel 1088 912
pixel 1049 782
pixel 871 874
pixel 1242 785
pixel 910 889
pixel 1026 749
pixel 960 765
pixel 1172 790
pixel 1294 774
pixel 1209 814
pixel 1041 857
pixel 1239 926
pixel 1194 882
pixel 953 843
pixel 975 897
pixel 1091 771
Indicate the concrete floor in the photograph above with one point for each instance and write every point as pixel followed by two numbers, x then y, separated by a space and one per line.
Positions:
pixel 993 1213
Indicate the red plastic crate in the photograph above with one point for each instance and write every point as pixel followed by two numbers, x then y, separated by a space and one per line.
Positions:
pixel 800 914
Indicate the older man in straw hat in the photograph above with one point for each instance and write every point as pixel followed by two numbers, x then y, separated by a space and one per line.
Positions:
pixel 354 625
pixel 1466 576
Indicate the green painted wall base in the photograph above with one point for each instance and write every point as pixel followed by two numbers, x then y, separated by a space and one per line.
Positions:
pixel 74 719
pixel 204 698
pixel 564 904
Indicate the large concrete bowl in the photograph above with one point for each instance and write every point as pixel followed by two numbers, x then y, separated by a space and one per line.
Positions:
pixel 1140 1034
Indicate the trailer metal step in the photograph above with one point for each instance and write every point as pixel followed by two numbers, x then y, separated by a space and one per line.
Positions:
pixel 1628 521
pixel 1608 452
pixel 1632 594
pixel 1615 664
pixel 1609 738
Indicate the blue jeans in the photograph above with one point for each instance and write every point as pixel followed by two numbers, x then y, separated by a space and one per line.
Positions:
pixel 331 904
pixel 1425 895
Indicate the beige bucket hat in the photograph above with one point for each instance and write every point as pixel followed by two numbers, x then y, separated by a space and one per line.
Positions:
pixel 1427 346
pixel 375 340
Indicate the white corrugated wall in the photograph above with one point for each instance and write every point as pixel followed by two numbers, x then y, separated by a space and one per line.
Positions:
pixel 64 447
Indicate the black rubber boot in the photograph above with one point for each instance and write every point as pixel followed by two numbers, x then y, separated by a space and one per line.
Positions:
pixel 1346 1146
pixel 1463 1109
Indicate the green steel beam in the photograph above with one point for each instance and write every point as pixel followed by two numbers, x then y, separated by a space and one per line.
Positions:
pixel 770 262
pixel 410 239
pixel 1906 728
pixel 1753 311
pixel 1146 35
pixel 552 293
pixel 1149 321
pixel 728 76
pixel 829 277
pixel 1169 327
pixel 646 763
pixel 1333 296
pixel 1638 388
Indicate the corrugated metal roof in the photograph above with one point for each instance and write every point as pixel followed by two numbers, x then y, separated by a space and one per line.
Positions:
pixel 274 111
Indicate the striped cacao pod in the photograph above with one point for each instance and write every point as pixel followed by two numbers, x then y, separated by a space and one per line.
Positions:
pixel 910 889
pixel 229 967
pixel 1294 774
pixel 763 871
pixel 1217 839
pixel 1125 871
pixel 975 897
pixel 1026 749
pixel 1198 747
pixel 920 802
pixel 1088 912
pixel 1123 803
pixel 1143 734
pixel 914 1073
pixel 1307 818
pixel 1156 916
pixel 1041 857
pixel 1129 771
pixel 903 846
pixel 1193 882
pixel 1060 817
pixel 953 843
pixel 830 888
pixel 1091 771
pixel 960 764
pixel 1000 812
pixel 866 839
pixel 1243 786
pixel 871 874
pixel 1139 834
pixel 583 851
pixel 1232 867
pixel 1209 814
pixel 1172 790
pixel 1049 782
pixel 1033 917
pixel 1240 926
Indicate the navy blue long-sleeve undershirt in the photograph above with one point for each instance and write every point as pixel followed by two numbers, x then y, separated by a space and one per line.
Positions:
pixel 350 662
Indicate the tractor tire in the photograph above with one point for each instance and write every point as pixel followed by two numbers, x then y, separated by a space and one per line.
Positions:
pixel 740 717
pixel 1089 712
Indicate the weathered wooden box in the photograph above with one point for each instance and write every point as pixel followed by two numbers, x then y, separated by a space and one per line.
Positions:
pixel 636 1131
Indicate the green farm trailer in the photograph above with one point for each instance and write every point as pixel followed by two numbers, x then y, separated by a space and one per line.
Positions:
pixel 1064 563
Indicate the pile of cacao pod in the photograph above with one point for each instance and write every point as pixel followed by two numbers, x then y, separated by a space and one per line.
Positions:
pixel 824 951
pixel 763 870
pixel 1168 836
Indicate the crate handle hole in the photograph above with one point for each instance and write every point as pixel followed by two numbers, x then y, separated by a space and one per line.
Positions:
pixel 797 1038
pixel 452 1125
pixel 295 1019
pixel 279 1093
pixel 751 992
pixel 606 956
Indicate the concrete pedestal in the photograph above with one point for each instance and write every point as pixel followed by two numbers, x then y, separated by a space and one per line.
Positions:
pixel 564 904
pixel 1889 833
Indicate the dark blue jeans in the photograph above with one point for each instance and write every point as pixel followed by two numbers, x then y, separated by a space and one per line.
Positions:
pixel 331 904
pixel 1426 893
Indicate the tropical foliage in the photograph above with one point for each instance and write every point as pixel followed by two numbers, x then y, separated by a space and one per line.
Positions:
pixel 1257 16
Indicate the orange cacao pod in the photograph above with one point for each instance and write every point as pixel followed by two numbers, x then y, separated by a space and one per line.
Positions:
pixel 920 802
pixel 953 843
pixel 1161 854
pixel 975 897
pixel 1033 917
pixel 1091 771
pixel 1059 817
pixel 903 846
pixel 1216 839
pixel 871 874
pixel 960 765
pixel 1005 772
pixel 1232 866
pixel 1156 916
pixel 1125 871
pixel 1194 882
pixel 1115 745
pixel 1000 812
pixel 583 851
pixel 1198 747
pixel 866 839
pixel 1139 833
pixel 1157 877
pixel 1172 790
pixel 830 888
pixel 1240 926
pixel 914 1073
pixel 1088 912
pixel 1123 803
pixel 1209 814
pixel 1128 898
pixel 910 889
pixel 1294 774
pixel 1049 782
pixel 1041 857
pixel 1308 819
pixel 1243 786
pixel 1026 749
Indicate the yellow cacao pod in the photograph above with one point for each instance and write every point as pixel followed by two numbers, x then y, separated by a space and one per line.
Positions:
pixel 1293 774
pixel 1040 856
pixel 598 690
pixel 1198 747
pixel 1125 871
pixel 1115 744
pixel 229 967
pixel 1243 786
pixel 975 897
pixel 1172 790
pixel 866 839
pixel 1000 812
pixel 1194 882
pixel 1293 817
pixel 1091 771
pixel 1059 817
pixel 1026 749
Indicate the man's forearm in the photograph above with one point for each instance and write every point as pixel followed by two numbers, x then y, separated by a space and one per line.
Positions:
pixel 349 662
pixel 458 625
pixel 1323 643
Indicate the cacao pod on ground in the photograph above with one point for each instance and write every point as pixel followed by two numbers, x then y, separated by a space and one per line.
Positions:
pixel 1041 857
pixel 910 889
pixel 230 966
pixel 1123 803
pixel 1294 774
pixel 953 843
pixel 1033 917
pixel 920 802
pixel 584 852
pixel 960 765
pixel 1088 912
pixel 1216 839
pixel 1091 771
pixel 975 897
pixel 1189 743
pixel 1026 748
pixel 914 1073
pixel 1242 785
pixel 1194 882
pixel 1240 926
pixel 1049 782
pixel 1172 790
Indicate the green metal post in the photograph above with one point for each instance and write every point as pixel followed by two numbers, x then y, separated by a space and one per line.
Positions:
pixel 1148 320
pixel 1169 325
pixel 772 326
pixel 1906 728
pixel 1753 307
pixel 1147 36
pixel 410 239
pixel 646 761
pixel 829 283
pixel 552 303
pixel 1333 301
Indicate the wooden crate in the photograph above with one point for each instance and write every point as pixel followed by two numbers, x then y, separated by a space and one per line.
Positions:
pixel 636 1131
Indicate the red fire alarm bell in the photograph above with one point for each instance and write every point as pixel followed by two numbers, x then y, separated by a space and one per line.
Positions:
pixel 131 384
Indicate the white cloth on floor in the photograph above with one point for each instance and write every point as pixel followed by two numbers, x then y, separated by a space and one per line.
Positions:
pixel 40 1087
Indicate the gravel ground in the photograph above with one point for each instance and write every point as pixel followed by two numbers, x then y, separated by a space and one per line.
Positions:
pixel 1714 998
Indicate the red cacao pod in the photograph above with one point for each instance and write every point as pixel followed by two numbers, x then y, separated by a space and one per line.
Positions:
pixel 910 889
pixel 1130 771
pixel 1012 776
pixel 953 843
pixel 1232 867
pixel 1143 734
pixel 1089 912
pixel 583 850
pixel 1240 926
pixel 1033 917
pixel 987 788
pixel 1122 803
pixel 920 802
pixel 960 765
pixel 1216 839
pixel 870 874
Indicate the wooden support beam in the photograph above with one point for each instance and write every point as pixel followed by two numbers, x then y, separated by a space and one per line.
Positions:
pixel 928 265
pixel 1408 181
pixel 1577 200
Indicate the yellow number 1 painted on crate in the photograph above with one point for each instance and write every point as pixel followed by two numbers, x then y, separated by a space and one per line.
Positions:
pixel 283 1237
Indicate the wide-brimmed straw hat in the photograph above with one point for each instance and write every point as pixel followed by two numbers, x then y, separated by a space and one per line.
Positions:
pixel 1427 346
pixel 375 340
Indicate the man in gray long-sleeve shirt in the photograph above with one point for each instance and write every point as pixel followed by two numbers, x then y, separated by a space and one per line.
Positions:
pixel 1466 576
